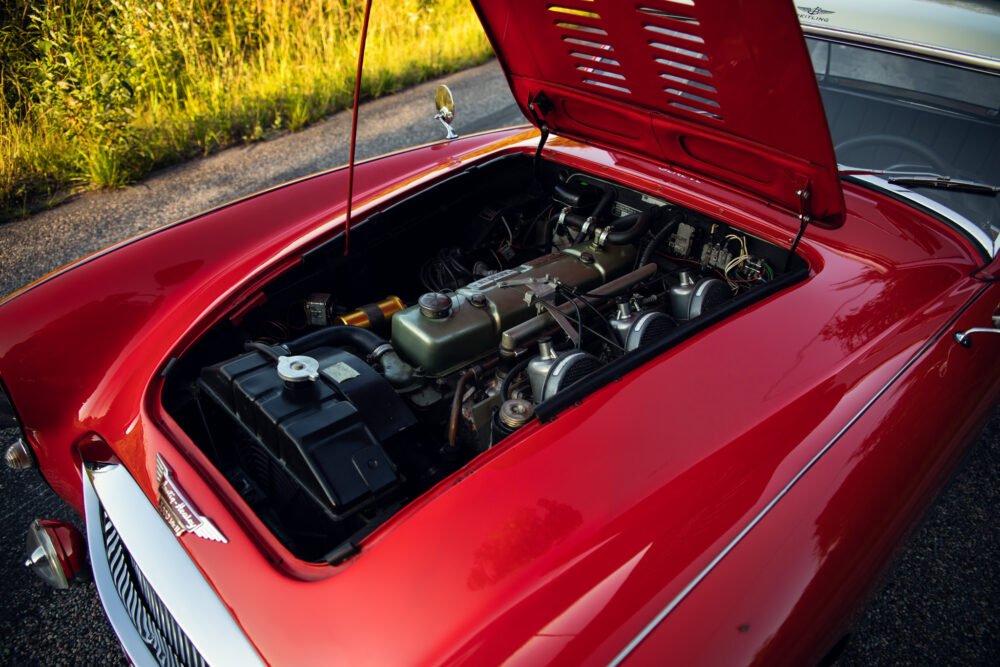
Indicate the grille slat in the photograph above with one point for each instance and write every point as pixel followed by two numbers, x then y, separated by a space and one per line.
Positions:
pixel 165 639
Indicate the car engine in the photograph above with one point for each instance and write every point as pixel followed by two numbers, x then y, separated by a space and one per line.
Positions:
pixel 496 298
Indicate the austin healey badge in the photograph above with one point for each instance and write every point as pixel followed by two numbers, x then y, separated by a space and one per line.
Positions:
pixel 179 512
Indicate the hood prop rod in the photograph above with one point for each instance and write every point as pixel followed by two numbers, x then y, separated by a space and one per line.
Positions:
pixel 805 218
pixel 539 106
pixel 354 126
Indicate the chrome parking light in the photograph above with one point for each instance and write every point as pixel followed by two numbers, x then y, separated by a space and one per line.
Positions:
pixel 19 456
pixel 54 551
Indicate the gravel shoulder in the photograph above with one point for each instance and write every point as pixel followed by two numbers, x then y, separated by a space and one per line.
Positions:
pixel 32 247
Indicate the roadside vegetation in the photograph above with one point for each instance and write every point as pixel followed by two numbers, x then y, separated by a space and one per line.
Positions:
pixel 96 93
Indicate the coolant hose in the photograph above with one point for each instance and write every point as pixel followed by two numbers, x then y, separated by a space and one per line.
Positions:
pixel 602 205
pixel 635 226
pixel 623 230
pixel 599 210
pixel 396 371
pixel 362 339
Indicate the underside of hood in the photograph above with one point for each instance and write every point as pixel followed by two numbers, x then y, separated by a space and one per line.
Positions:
pixel 721 88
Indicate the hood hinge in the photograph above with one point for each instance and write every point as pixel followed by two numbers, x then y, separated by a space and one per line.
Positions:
pixel 539 106
pixel 805 217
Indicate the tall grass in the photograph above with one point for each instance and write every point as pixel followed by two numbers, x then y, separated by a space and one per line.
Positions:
pixel 95 93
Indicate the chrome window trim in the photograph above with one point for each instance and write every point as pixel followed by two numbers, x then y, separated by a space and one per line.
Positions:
pixel 904 47
pixel 166 566
pixel 958 220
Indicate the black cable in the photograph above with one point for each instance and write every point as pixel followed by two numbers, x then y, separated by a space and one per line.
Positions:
pixel 579 319
pixel 574 296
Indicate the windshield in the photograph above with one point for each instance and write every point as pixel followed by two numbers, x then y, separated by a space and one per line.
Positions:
pixel 897 113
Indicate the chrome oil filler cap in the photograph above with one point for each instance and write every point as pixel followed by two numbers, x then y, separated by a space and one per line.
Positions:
pixel 435 305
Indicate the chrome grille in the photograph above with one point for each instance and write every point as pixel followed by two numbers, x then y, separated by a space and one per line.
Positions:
pixel 157 627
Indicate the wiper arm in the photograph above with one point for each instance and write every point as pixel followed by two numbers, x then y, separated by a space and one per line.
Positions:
pixel 945 183
pixel 924 180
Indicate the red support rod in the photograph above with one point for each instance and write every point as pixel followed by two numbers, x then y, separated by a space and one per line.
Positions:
pixel 354 126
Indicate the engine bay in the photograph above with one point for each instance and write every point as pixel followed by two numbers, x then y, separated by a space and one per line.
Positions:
pixel 464 312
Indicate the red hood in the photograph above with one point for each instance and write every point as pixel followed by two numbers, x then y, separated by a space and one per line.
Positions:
pixel 723 88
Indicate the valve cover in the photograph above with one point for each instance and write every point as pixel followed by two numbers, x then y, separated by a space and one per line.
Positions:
pixel 481 311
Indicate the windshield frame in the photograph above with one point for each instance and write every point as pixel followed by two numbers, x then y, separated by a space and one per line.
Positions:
pixel 988 246
pixel 903 47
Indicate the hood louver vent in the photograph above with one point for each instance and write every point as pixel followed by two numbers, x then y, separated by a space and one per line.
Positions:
pixel 673 43
pixel 603 71
pixel 677 46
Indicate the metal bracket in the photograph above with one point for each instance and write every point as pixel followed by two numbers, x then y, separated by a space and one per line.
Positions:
pixel 539 106
pixel 445 117
pixel 805 217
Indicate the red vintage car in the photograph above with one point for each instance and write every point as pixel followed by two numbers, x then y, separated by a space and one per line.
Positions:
pixel 664 380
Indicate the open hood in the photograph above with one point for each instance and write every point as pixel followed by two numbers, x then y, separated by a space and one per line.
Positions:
pixel 724 88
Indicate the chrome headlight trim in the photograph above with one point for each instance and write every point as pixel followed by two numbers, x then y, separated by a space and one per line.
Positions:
pixel 166 567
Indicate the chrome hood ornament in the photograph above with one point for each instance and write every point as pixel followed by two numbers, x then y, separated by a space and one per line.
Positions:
pixel 179 512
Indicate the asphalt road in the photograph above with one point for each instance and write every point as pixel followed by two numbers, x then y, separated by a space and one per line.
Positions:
pixel 940 603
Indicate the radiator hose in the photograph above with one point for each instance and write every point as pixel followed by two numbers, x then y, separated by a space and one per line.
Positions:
pixel 375 348
pixel 624 230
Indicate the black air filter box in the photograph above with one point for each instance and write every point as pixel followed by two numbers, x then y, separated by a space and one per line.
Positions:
pixel 326 436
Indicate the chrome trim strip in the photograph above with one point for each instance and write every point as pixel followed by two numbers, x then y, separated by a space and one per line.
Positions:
pixel 959 220
pixel 646 631
pixel 165 565
pixel 905 47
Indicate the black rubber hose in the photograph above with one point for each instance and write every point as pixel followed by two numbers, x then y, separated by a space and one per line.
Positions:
pixel 647 253
pixel 599 210
pixel 362 339
pixel 263 348
pixel 609 195
pixel 511 374
pixel 396 371
pixel 625 222
pixel 630 234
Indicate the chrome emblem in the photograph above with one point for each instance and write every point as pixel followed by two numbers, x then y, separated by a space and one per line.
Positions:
pixel 814 11
pixel 179 512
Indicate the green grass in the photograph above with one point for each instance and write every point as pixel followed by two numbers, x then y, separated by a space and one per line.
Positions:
pixel 96 93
